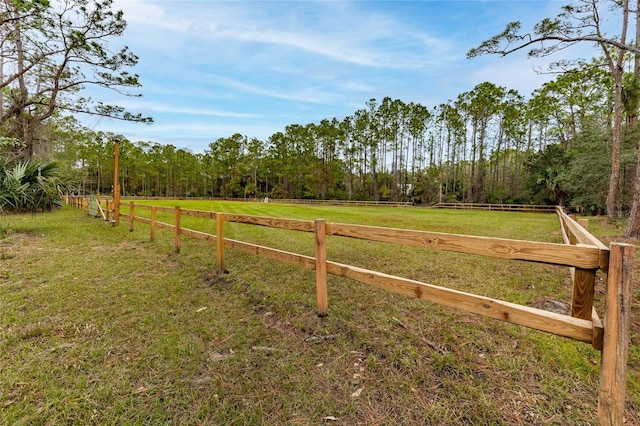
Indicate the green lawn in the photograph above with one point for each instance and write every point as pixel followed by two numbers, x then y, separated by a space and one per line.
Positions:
pixel 101 326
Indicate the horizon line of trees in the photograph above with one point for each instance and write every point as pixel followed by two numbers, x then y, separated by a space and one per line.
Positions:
pixel 489 145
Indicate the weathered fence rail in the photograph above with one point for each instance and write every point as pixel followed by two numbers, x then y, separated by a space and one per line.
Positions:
pixel 498 207
pixel 581 252
pixel 281 201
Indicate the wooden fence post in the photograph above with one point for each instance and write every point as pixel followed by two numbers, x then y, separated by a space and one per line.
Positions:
pixel 153 223
pixel 613 366
pixel 107 212
pixel 177 228
pixel 584 282
pixel 131 216
pixel 321 267
pixel 220 241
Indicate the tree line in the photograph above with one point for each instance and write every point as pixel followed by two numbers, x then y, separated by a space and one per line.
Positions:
pixel 488 145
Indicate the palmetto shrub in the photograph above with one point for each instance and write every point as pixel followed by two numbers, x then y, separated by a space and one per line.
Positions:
pixel 29 186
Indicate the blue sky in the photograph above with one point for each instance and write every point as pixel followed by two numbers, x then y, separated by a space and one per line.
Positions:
pixel 210 69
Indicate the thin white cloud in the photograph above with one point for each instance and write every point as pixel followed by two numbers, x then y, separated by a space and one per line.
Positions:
pixel 309 95
pixel 168 108
pixel 151 14
pixel 340 31
pixel 334 48
pixel 136 105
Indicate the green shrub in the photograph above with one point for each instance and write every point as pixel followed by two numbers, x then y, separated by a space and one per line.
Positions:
pixel 29 186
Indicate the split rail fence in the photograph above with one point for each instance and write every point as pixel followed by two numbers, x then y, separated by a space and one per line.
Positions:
pixel 584 254
pixel 498 207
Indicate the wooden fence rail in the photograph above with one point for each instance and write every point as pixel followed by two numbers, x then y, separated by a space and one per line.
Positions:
pixel 369 203
pixel 581 252
pixel 498 207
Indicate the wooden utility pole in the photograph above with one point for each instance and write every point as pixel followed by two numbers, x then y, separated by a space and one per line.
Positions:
pixel 116 187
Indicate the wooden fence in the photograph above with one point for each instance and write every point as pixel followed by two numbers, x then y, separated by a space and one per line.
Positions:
pixel 498 207
pixel 462 206
pixel 582 253
pixel 282 201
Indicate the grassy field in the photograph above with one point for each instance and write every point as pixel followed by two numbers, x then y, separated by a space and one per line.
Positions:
pixel 100 326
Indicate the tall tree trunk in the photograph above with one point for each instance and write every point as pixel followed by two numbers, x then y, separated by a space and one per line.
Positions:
pixel 472 180
pixel 618 71
pixel 633 227
pixel 1 79
pixel 375 189
pixel 632 119
pixel 17 110
pixel 614 179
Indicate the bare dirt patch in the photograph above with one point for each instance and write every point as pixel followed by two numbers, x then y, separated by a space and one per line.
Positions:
pixel 216 280
pixel 19 243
